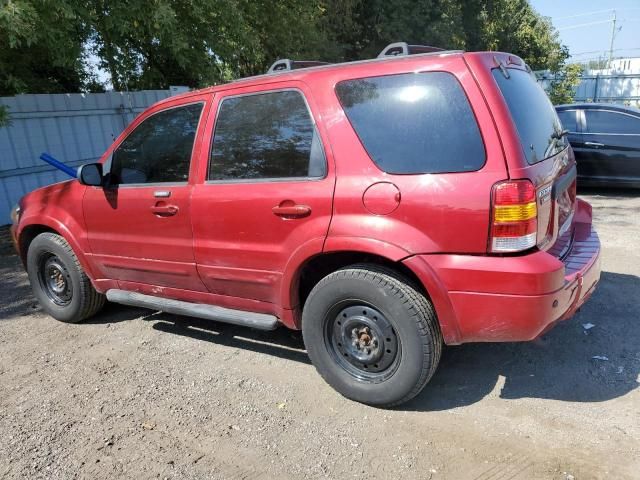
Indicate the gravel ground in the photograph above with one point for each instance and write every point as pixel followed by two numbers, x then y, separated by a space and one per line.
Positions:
pixel 141 394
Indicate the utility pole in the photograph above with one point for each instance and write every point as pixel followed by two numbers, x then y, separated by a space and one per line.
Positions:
pixel 613 34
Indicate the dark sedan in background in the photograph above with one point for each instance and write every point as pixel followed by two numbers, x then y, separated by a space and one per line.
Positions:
pixel 606 141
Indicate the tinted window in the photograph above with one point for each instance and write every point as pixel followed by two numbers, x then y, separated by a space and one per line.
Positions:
pixel 532 112
pixel 268 135
pixel 599 121
pixel 159 149
pixel 414 123
pixel 568 120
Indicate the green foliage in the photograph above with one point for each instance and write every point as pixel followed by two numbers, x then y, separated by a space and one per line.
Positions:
pixel 45 44
pixel 41 47
pixel 562 88
pixel 4 116
pixel 361 28
pixel 513 26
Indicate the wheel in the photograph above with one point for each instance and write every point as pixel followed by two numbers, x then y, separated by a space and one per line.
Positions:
pixel 371 335
pixel 58 281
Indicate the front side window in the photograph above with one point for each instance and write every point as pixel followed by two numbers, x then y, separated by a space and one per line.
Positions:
pixel 265 136
pixel 414 123
pixel 602 121
pixel 535 118
pixel 159 149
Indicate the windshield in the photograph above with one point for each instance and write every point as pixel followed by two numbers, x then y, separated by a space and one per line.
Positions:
pixel 539 128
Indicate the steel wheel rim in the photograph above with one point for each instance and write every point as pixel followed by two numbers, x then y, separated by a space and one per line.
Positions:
pixel 362 341
pixel 55 279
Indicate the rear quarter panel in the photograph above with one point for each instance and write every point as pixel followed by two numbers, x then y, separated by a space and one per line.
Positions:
pixel 543 173
pixel 446 212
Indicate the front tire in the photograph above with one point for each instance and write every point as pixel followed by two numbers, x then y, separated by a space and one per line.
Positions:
pixel 371 335
pixel 58 281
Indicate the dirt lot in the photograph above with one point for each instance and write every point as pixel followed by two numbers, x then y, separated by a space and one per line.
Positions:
pixel 139 394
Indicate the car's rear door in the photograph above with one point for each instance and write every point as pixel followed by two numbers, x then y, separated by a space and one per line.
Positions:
pixel 612 140
pixel 265 198
pixel 139 224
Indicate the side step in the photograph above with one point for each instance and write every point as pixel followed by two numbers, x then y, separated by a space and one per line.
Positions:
pixel 261 321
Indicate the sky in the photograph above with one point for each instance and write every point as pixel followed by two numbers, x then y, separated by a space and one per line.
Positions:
pixel 589 41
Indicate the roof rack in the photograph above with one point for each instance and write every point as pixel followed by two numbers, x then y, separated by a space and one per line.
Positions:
pixel 403 48
pixel 286 64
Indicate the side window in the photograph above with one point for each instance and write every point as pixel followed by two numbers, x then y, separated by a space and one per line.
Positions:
pixel 414 123
pixel 568 120
pixel 599 121
pixel 159 149
pixel 265 136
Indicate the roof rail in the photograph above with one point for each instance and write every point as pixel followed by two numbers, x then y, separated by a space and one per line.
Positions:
pixel 286 64
pixel 403 48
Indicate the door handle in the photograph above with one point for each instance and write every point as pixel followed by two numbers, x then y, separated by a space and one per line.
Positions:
pixel 291 211
pixel 164 210
pixel 594 144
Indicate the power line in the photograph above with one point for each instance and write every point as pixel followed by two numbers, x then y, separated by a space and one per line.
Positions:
pixel 603 51
pixel 584 25
pixel 583 14
pixel 595 12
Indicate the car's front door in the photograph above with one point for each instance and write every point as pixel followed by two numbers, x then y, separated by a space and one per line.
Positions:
pixel 139 223
pixel 267 192
pixel 612 146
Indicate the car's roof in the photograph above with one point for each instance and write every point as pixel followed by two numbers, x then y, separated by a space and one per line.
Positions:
pixel 301 73
pixel 598 106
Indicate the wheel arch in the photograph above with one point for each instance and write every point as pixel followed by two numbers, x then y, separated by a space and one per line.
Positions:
pixel 29 230
pixel 413 268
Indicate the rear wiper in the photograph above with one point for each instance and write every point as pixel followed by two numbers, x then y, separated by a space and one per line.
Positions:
pixel 559 134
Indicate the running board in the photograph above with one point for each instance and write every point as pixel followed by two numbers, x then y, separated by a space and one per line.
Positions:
pixel 261 321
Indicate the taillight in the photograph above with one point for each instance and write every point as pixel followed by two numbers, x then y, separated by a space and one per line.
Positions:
pixel 514 221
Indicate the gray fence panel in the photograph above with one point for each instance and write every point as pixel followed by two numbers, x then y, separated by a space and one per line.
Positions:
pixel 616 88
pixel 75 128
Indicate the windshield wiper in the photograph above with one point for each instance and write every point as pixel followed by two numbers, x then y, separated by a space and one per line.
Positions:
pixel 559 134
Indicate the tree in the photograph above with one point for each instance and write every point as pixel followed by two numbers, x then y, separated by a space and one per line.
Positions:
pixel 361 29
pixel 4 116
pixel 157 43
pixel 42 48
pixel 44 44
pixel 513 26
pixel 564 83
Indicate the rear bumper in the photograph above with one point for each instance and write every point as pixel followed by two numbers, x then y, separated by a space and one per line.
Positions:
pixel 504 299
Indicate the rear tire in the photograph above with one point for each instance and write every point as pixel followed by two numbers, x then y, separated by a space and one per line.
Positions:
pixel 371 335
pixel 58 281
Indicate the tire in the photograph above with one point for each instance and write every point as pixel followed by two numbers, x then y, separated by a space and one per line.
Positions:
pixel 344 315
pixel 58 281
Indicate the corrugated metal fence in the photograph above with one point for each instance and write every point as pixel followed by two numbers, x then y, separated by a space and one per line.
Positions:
pixel 615 88
pixel 74 128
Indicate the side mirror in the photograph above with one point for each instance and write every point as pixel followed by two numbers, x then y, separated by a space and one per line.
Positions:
pixel 90 174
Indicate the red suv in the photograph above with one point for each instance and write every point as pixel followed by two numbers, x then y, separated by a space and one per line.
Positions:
pixel 385 207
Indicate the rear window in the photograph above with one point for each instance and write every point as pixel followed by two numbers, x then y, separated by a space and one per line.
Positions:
pixel 535 118
pixel 414 123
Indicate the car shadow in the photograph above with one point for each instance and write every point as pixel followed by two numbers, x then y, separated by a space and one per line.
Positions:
pixel 559 366
pixel 282 342
pixel 15 290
